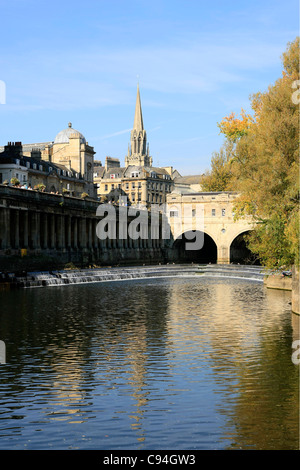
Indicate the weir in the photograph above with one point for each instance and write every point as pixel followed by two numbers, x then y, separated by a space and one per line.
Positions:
pixel 83 276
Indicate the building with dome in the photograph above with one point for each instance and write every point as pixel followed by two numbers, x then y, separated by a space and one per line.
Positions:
pixel 65 165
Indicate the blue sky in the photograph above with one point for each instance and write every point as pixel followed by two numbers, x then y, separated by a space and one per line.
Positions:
pixel 196 61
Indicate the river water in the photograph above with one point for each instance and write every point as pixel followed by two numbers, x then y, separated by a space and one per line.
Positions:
pixel 169 363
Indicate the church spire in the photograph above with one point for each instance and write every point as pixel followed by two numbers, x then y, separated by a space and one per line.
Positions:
pixel 138 116
pixel 138 153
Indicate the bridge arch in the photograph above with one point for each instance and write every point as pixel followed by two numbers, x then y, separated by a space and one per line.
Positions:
pixel 208 253
pixel 239 251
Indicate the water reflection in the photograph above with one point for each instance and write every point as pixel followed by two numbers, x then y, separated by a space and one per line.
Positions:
pixel 166 364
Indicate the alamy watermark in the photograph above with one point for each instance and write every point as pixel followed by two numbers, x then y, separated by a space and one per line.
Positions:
pixel 2 92
pixel 2 352
pixel 157 223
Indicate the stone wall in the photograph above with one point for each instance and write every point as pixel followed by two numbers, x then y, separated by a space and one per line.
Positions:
pixel 43 231
pixel 278 281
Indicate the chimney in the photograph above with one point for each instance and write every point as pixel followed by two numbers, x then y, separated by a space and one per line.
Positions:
pixel 111 163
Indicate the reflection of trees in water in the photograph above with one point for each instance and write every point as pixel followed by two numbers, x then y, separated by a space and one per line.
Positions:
pixel 85 340
pixel 249 336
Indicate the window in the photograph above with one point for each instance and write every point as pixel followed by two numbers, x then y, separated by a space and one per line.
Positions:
pixel 41 167
pixel 127 185
pixel 133 197
pixel 134 174
pixel 133 185
pixel 139 197
pixel 119 186
pixel 34 166
pixel 112 187
pixel 193 212
pixel 223 212
pixel 139 184
pixel 213 212
pixel 28 164
pixel 106 187
pixel 173 213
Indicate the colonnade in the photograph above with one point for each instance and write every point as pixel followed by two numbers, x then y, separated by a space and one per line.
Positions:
pixel 26 229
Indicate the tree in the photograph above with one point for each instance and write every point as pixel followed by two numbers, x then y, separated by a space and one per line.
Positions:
pixel 234 128
pixel 220 176
pixel 265 166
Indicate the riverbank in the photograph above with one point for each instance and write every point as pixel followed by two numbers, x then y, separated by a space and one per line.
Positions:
pixel 286 281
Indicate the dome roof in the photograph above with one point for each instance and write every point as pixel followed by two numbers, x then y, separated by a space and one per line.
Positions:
pixel 63 136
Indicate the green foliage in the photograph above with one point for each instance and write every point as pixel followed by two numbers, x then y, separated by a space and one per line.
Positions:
pixel 219 178
pixel 40 187
pixel 265 168
pixel 14 181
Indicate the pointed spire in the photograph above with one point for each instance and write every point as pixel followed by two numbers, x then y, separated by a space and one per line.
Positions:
pixel 138 117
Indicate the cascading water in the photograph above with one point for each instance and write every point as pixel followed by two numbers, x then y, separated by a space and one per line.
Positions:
pixel 80 276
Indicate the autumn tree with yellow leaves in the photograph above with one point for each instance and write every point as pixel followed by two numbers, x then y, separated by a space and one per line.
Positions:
pixel 264 165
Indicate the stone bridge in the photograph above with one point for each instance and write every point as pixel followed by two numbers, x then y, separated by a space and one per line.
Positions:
pixel 212 215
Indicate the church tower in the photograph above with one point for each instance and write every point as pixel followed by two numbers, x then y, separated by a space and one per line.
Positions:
pixel 138 150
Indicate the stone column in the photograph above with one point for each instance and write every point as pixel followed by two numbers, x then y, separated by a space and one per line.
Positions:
pixel 44 230
pixel 16 229
pixel 75 233
pixel 35 230
pixel 82 233
pixel 5 228
pixel 90 235
pixel 68 231
pixel 60 232
pixel 25 229
pixel 52 232
pixel 223 254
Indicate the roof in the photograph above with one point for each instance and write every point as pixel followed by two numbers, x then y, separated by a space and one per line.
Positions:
pixel 14 153
pixel 191 179
pixel 63 137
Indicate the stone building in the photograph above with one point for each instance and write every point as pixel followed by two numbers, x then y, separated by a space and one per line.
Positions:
pixel 138 180
pixel 63 165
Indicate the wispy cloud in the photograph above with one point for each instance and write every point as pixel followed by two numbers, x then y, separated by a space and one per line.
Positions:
pixel 196 67
pixel 114 134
